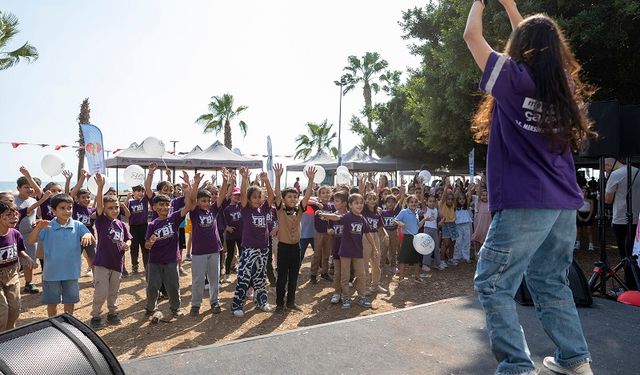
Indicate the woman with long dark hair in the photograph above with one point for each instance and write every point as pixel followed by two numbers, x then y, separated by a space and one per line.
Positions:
pixel 532 118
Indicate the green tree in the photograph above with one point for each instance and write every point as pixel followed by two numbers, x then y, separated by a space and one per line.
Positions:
pixel 372 72
pixel 8 29
pixel 83 118
pixel 220 115
pixel 319 137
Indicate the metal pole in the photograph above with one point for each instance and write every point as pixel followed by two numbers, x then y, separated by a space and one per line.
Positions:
pixel 340 128
pixel 174 154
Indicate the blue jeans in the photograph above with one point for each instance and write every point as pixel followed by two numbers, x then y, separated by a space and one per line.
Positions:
pixel 536 244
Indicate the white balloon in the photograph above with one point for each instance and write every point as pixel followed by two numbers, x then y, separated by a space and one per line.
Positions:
pixel 343 179
pixel 426 176
pixel 320 172
pixel 134 175
pixel 52 164
pixel 342 169
pixel 423 243
pixel 92 185
pixel 153 147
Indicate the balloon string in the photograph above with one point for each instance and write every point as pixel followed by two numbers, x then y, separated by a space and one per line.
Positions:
pixel 165 163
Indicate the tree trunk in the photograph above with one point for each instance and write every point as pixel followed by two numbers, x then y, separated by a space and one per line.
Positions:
pixel 227 134
pixel 366 92
pixel 83 118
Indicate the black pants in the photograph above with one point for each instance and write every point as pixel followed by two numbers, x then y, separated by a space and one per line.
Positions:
pixel 138 231
pixel 288 267
pixel 231 251
pixel 625 248
pixel 270 274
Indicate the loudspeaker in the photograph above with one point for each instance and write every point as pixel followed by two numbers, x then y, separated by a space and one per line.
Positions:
pixel 577 282
pixel 606 119
pixel 630 132
pixel 59 345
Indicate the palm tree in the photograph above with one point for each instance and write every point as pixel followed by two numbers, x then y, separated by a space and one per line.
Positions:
pixel 83 118
pixel 220 116
pixel 9 28
pixel 371 71
pixel 319 138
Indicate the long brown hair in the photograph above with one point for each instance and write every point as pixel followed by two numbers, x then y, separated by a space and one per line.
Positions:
pixel 540 45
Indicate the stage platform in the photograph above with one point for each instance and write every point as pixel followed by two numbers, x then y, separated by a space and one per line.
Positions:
pixel 444 337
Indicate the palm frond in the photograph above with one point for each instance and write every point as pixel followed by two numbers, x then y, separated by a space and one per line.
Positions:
pixel 214 125
pixel 8 28
pixel 243 128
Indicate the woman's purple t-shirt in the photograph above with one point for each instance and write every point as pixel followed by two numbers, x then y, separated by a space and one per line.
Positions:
pixel 233 218
pixel 165 250
pixel 522 170
pixel 112 234
pixel 255 231
pixel 139 209
pixel 206 239
pixel 373 219
pixel 354 227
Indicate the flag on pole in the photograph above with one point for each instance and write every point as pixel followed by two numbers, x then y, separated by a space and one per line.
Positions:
pixel 472 164
pixel 94 149
pixel 270 161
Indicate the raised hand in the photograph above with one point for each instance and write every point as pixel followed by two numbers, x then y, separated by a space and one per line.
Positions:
pixel 264 177
pixel 43 224
pixel 185 177
pixel 152 167
pixel 24 171
pixel 197 179
pixel 99 179
pixel 67 174
pixel 311 173
pixel 278 170
pixel 84 173
pixel 47 194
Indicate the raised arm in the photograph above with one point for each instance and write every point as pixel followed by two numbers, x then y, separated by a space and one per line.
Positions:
pixel 223 188
pixel 277 170
pixel 147 183
pixel 81 177
pixel 45 196
pixel 512 11
pixel 67 180
pixel 265 180
pixel 125 205
pixel 244 172
pixel 476 42
pixel 31 181
pixel 33 236
pixel 99 196
pixel 311 174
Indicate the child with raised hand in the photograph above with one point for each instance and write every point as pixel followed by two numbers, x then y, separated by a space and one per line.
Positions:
pixel 336 229
pixel 84 214
pixel 27 188
pixel 63 240
pixel 233 230
pixel 114 240
pixel 408 222
pixel 289 213
pixel 161 240
pixel 463 228
pixel 371 212
pixel 355 230
pixel 138 206
pixel 205 244
pixel 11 249
pixel 255 242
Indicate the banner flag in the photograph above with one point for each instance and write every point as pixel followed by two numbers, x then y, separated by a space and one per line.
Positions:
pixel 93 147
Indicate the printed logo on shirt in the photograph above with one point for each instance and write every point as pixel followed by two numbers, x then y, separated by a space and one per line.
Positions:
pixel 532 112
pixel 8 253
pixel 356 228
pixel 373 223
pixel 338 229
pixel 235 216
pixel 388 221
pixel 137 208
pixel 205 220
pixel 84 219
pixel 259 221
pixel 116 235
pixel 164 232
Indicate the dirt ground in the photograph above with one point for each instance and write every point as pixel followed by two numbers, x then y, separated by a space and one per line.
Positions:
pixel 137 337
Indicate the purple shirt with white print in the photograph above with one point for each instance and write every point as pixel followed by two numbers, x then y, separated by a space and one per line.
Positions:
pixel 165 250
pixel 255 230
pixel 112 234
pixel 354 227
pixel 206 239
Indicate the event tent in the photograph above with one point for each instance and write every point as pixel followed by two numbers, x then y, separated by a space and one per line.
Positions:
pixel 217 156
pixel 321 158
pixel 135 154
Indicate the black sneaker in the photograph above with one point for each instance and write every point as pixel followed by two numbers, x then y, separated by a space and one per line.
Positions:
pixel 195 311
pixel 294 307
pixel 114 319
pixel 215 308
pixel 134 270
pixel 279 309
pixel 97 323
pixel 314 279
pixel 149 313
pixel 326 276
pixel 125 273
pixel 162 297
pixel 177 313
pixel 30 289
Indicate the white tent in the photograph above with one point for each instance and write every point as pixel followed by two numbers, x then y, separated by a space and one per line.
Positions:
pixel 135 154
pixel 321 158
pixel 217 156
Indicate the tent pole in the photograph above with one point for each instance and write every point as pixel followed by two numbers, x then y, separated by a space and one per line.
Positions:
pixel 117 187
pixel 174 173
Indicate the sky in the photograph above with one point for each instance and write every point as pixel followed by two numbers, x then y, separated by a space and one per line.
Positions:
pixel 149 68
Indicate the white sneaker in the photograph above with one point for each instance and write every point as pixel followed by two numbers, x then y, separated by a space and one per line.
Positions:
pixel 335 299
pixel 426 268
pixel 443 265
pixel 266 307
pixel 238 313
pixel 88 273
pixel 225 279
pixel 579 369
pixel 206 286
pixel 381 289
pixel 591 248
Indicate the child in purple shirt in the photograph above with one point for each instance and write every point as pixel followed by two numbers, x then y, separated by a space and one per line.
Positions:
pixel 255 242
pixel 114 240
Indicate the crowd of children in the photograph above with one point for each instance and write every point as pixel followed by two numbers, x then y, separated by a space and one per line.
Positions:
pixel 357 234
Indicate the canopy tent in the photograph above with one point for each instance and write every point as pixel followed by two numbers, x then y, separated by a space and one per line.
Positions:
pixel 321 158
pixel 359 161
pixel 217 156
pixel 390 164
pixel 135 154
pixel 193 151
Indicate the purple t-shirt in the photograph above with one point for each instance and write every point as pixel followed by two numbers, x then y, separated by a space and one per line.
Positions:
pixel 112 234
pixel 522 170
pixel 205 237
pixel 255 231
pixel 373 219
pixel 45 210
pixel 139 209
pixel 336 239
pixel 354 227
pixel 233 218
pixel 388 217
pixel 175 205
pixel 322 225
pixel 10 245
pixel 165 250
pixel 83 215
